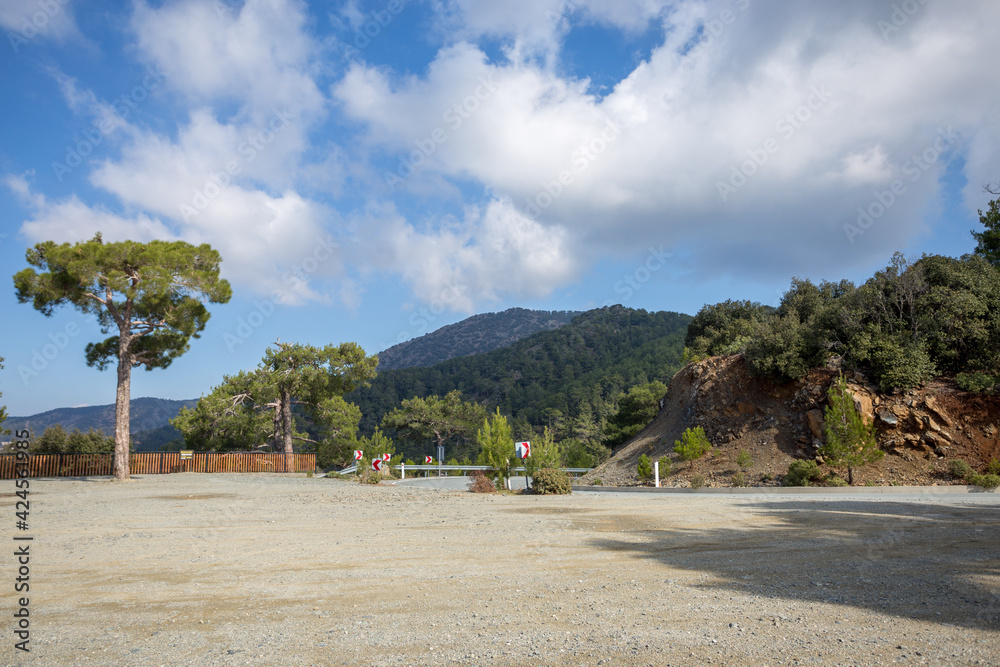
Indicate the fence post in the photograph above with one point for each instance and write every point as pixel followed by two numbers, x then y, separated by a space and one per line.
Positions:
pixel 402 471
pixel 656 470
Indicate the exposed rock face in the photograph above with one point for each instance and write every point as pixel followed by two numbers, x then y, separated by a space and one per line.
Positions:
pixel 920 429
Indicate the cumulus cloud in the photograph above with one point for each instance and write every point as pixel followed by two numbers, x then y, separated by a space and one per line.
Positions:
pixel 27 19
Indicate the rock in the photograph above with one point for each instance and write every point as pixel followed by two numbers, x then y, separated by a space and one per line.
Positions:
pixel 888 417
pixel 814 419
pixel 934 407
pixel 929 423
pixel 863 403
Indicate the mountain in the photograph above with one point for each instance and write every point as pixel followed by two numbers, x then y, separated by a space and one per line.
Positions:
pixel 594 358
pixel 146 414
pixel 475 335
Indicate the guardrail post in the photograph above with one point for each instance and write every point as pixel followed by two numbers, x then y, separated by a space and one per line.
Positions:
pixel 656 471
pixel 402 471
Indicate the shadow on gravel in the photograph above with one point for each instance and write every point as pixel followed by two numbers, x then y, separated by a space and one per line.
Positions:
pixel 923 561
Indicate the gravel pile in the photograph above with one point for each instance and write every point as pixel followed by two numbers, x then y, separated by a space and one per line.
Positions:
pixel 200 569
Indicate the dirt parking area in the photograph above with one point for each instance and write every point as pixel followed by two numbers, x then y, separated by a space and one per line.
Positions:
pixel 201 569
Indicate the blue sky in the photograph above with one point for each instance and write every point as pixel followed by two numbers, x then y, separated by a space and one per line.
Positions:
pixel 371 171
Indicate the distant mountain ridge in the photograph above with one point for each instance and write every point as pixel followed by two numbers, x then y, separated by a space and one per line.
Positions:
pixel 145 414
pixel 477 334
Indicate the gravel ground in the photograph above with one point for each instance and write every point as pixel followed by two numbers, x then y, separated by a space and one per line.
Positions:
pixel 198 569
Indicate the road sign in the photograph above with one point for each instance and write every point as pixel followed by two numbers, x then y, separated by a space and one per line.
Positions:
pixel 187 454
pixel 358 454
pixel 386 457
pixel 523 449
pixel 377 465
pixel 428 460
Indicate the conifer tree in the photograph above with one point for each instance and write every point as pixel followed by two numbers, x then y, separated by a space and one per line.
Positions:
pixel 850 442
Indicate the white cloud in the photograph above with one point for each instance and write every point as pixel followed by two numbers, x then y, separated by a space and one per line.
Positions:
pixel 27 19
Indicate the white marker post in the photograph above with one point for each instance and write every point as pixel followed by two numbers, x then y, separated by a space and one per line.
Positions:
pixel 656 471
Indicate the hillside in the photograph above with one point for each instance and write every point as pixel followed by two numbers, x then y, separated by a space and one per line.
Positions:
pixel 146 414
pixel 599 354
pixel 475 335
pixel 920 430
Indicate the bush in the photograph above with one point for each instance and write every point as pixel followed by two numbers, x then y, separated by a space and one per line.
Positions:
pixel 985 481
pixel 833 480
pixel 645 468
pixel 697 481
pixel 549 481
pixel 959 468
pixel 744 459
pixel 693 444
pixel 993 468
pixel 370 476
pixel 977 383
pixel 802 473
pixel 739 479
pixel 664 466
pixel 597 482
pixel 480 483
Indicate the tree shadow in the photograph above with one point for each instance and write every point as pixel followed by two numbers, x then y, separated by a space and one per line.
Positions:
pixel 926 561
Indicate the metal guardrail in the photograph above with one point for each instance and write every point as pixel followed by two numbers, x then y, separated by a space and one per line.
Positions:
pixel 447 468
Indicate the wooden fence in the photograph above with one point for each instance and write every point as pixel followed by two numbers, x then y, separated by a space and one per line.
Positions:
pixel 155 463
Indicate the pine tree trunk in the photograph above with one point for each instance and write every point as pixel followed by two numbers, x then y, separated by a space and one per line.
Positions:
pixel 285 405
pixel 122 399
pixel 850 475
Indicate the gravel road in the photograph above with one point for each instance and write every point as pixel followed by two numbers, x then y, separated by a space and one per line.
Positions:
pixel 201 569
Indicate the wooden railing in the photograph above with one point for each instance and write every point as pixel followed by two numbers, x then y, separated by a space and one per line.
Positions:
pixel 155 463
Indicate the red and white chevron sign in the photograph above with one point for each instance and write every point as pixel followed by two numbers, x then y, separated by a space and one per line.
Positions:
pixel 523 449
pixel 386 457
pixel 358 454
pixel 377 465
pixel 428 460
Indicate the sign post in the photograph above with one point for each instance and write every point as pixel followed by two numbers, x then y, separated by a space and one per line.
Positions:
pixel 440 458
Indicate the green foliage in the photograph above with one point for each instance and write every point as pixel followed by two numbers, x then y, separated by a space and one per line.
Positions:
pixel 664 466
pixel 988 240
pixel 833 480
pixel 977 383
pixel 636 409
pixel 375 445
pixel 3 408
pixel 850 442
pixel 645 468
pixel 740 479
pixel 693 444
pixel 724 328
pixel 984 481
pixel 993 468
pixel 897 364
pixel 697 481
pixel 545 453
pixel 496 448
pixel 149 295
pixel 336 425
pixel 744 459
pixel 446 420
pixel 549 481
pixel 55 440
pixel 959 468
pixel 802 473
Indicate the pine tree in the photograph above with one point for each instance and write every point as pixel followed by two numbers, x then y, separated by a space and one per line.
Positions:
pixel 850 442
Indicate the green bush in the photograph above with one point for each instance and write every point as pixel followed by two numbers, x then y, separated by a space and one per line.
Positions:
pixel 744 460
pixel 833 480
pixel 549 481
pixel 993 468
pixel 597 482
pixel 959 468
pixel 693 444
pixel 985 481
pixel 977 383
pixel 740 479
pixel 664 466
pixel 697 481
pixel 802 473
pixel 645 468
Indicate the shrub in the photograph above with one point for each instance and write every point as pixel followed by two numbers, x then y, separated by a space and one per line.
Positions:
pixel 645 468
pixel 744 459
pixel 597 482
pixel 850 441
pixel 693 444
pixel 833 480
pixel 697 481
pixel 977 383
pixel 993 468
pixel 802 473
pixel 309 473
pixel 664 466
pixel 959 468
pixel 740 479
pixel 370 476
pixel 480 483
pixel 985 481
pixel 549 481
